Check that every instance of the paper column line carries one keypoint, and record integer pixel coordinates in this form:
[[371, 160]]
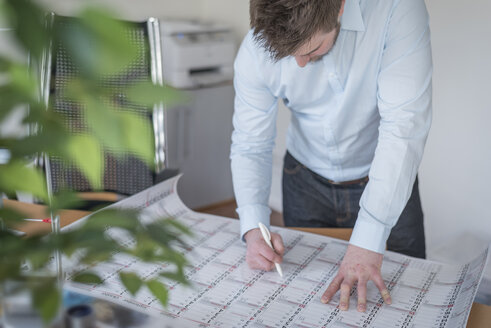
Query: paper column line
[[375, 309], [289, 280]]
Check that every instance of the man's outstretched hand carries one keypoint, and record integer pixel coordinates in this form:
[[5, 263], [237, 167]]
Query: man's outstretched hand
[[259, 255], [359, 265]]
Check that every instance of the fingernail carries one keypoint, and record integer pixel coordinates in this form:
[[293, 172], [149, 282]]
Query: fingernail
[[361, 307], [324, 300], [386, 296], [343, 306]]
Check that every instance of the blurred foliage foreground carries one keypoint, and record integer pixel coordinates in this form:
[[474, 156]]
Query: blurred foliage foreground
[[108, 128]]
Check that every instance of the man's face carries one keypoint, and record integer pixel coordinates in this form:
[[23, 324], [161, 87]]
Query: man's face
[[318, 46]]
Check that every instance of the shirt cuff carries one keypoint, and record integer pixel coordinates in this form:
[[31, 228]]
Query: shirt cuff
[[250, 216], [370, 234]]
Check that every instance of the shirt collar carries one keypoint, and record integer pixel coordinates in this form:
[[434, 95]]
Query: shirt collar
[[352, 19]]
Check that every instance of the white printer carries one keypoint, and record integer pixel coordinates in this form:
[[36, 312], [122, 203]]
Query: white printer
[[196, 54]]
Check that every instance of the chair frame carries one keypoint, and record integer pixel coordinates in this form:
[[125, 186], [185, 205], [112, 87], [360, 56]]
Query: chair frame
[[156, 72]]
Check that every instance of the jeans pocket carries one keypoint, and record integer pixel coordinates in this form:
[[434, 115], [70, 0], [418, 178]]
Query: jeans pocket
[[291, 165], [292, 170]]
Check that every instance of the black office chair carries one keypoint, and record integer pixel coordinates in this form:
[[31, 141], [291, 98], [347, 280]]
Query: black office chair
[[127, 174]]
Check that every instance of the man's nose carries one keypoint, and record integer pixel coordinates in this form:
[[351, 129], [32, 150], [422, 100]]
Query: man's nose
[[302, 60]]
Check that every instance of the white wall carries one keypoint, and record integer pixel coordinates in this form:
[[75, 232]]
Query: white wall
[[234, 13], [132, 9], [455, 171]]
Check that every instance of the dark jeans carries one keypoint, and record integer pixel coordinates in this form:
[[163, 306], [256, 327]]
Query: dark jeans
[[310, 200]]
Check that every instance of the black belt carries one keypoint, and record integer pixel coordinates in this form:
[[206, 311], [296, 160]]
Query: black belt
[[347, 183]]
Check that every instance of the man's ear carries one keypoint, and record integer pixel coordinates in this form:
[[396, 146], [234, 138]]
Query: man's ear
[[342, 8]]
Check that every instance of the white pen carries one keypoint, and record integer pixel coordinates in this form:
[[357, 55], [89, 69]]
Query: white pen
[[267, 239]]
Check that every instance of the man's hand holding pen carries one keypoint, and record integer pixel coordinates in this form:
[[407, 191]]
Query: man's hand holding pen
[[259, 255]]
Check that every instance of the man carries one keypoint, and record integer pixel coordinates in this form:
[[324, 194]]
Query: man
[[356, 76]]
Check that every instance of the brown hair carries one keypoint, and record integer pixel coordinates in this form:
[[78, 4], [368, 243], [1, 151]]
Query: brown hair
[[283, 26]]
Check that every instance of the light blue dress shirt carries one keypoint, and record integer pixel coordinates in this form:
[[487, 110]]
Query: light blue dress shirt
[[363, 109]]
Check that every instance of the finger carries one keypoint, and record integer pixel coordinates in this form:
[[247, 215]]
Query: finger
[[345, 291], [268, 253], [332, 289], [362, 295], [278, 245], [379, 282], [261, 263], [256, 261]]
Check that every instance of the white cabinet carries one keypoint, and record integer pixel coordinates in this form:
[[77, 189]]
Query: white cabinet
[[198, 144]]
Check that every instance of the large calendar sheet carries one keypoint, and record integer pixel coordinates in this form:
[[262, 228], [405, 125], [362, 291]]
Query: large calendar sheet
[[226, 293]]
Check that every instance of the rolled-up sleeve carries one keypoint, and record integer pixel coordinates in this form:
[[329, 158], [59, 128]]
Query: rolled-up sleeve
[[404, 103], [253, 138]]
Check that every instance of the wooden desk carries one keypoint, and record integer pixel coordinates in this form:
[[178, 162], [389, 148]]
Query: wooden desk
[[339, 233], [35, 211], [480, 315]]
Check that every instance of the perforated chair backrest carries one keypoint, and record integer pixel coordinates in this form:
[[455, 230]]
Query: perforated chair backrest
[[125, 174]]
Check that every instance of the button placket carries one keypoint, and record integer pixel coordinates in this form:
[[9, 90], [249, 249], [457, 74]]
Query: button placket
[[332, 76]]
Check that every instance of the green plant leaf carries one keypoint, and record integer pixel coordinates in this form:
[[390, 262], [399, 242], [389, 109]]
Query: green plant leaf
[[105, 124], [65, 199], [28, 22], [10, 259], [23, 82], [176, 276], [96, 255], [167, 232], [17, 176], [159, 290], [20, 148], [51, 137], [94, 242], [11, 217], [172, 256], [101, 47], [138, 138], [86, 238], [99, 43], [131, 281], [39, 257], [87, 278], [100, 117], [145, 248], [179, 226], [86, 152], [10, 270], [46, 299], [4, 62], [11, 99], [148, 94], [125, 219], [165, 237], [10, 243]]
